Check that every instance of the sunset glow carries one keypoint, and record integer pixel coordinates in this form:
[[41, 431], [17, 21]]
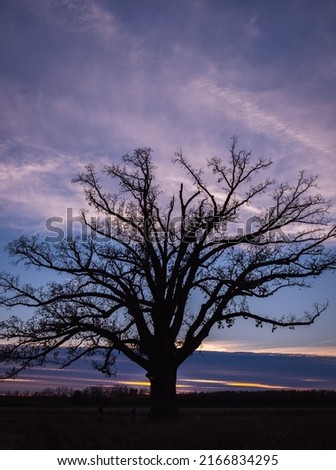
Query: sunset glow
[[226, 383]]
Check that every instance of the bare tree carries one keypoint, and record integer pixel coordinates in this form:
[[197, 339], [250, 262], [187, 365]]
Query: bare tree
[[146, 256]]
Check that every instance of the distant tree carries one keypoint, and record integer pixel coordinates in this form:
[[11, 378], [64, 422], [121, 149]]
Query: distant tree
[[146, 256]]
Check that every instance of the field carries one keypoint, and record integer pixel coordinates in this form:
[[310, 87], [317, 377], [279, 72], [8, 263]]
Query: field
[[206, 428]]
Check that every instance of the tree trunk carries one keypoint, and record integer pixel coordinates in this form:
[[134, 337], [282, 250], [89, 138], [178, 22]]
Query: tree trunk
[[163, 393]]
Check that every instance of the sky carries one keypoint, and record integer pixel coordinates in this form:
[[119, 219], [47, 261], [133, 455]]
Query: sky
[[88, 81], [208, 371]]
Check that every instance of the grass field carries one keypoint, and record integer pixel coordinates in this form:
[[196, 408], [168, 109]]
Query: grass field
[[81, 428]]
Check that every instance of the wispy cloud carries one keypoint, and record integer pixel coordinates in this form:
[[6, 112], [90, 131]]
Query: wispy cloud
[[252, 28], [208, 383], [201, 372], [242, 106], [320, 349], [80, 16], [35, 188]]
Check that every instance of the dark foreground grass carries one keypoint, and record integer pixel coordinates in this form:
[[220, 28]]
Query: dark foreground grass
[[81, 428]]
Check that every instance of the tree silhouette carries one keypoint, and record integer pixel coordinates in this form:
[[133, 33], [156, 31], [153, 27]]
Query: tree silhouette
[[146, 256]]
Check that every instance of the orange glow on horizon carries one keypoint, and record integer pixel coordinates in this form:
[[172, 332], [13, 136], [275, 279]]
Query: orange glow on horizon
[[229, 383], [143, 384], [133, 383]]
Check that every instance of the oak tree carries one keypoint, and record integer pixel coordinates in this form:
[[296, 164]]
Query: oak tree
[[130, 280]]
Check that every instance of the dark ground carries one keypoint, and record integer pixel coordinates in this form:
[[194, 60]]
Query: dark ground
[[69, 428]]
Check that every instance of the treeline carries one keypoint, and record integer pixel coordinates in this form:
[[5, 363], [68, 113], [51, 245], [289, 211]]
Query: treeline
[[65, 396], [126, 396], [264, 398]]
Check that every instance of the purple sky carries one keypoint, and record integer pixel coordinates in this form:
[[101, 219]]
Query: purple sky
[[87, 81]]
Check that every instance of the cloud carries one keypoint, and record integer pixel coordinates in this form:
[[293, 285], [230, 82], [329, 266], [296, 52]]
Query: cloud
[[94, 105], [291, 131], [80, 16], [322, 348], [37, 187], [217, 384], [242, 106], [278, 370], [208, 371], [252, 29]]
